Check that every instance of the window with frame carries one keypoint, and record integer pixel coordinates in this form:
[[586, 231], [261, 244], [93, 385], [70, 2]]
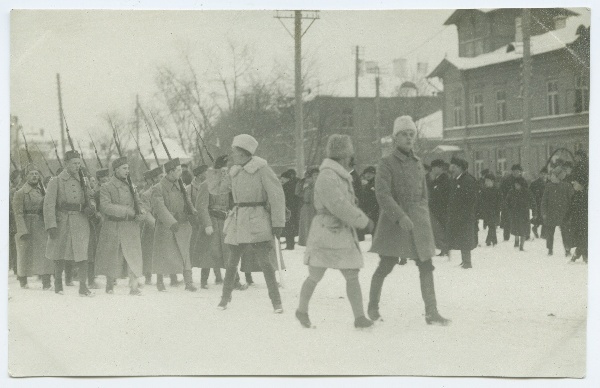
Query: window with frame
[[478, 164], [478, 108], [582, 95], [458, 108], [552, 90], [501, 105], [347, 118], [500, 161]]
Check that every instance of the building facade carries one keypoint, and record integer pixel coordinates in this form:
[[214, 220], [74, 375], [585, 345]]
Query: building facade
[[483, 94]]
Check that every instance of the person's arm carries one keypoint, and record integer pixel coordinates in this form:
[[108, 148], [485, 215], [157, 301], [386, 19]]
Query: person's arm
[[275, 196], [161, 212], [330, 193], [50, 204], [383, 193], [107, 207], [18, 203]]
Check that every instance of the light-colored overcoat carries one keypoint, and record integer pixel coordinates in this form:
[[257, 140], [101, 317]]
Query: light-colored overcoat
[[332, 240], [401, 190], [200, 242], [73, 226], [171, 253], [27, 205], [254, 182], [147, 230], [118, 240]]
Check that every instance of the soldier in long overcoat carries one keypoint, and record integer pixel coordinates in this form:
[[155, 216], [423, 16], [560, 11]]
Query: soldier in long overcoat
[[577, 215], [120, 237], [489, 204], [537, 188], [555, 203], [518, 203], [257, 216], [102, 177], [173, 231], [31, 235], [67, 207], [506, 184], [15, 184], [438, 203], [460, 226], [404, 227], [152, 177]]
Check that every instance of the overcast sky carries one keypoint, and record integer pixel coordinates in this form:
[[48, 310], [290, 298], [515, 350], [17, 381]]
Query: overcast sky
[[105, 58]]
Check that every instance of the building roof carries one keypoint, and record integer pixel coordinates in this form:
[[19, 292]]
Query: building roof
[[540, 44], [459, 13], [431, 126], [446, 148]]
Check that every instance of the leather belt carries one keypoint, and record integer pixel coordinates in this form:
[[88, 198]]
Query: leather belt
[[119, 219], [70, 207], [250, 204], [216, 213]]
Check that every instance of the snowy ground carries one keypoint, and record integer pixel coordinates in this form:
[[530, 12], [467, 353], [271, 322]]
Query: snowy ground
[[514, 314]]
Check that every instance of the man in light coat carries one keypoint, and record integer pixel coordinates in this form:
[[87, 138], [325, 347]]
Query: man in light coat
[[257, 215], [119, 241], [31, 235], [173, 231], [66, 210], [404, 227], [152, 177]]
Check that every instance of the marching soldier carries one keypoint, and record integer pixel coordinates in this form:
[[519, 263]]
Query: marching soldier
[[15, 184], [95, 225], [152, 177], [173, 231], [31, 235], [257, 215], [119, 239], [66, 212]]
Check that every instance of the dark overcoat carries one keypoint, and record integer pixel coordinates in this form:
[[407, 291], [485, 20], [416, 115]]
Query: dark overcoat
[[555, 202], [537, 188], [401, 189], [27, 205], [490, 203], [518, 203], [577, 219], [307, 211], [292, 203], [460, 224]]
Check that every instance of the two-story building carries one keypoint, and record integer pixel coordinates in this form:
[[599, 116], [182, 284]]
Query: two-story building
[[483, 94]]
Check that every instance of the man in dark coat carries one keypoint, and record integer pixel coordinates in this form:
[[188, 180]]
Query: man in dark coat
[[102, 177], [460, 226], [518, 202], [292, 203], [368, 202], [357, 186], [577, 215], [537, 189], [438, 203], [506, 185], [489, 204]]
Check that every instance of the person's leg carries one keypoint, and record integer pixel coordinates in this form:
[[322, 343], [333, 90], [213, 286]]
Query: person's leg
[[133, 282], [160, 283], [218, 276], [466, 258], [174, 281], [235, 254], [549, 234], [492, 228], [432, 315], [386, 265], [204, 272], [46, 282], [91, 278], [354, 292], [23, 281], [59, 267], [82, 276], [110, 285], [516, 241], [189, 282], [68, 265], [248, 276], [566, 238], [315, 274], [263, 250], [148, 278], [522, 243]]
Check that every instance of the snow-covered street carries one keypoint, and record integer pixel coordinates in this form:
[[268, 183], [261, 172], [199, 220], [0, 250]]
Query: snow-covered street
[[514, 314]]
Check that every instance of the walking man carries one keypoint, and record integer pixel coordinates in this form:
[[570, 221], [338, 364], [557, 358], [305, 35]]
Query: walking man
[[152, 177], [404, 227]]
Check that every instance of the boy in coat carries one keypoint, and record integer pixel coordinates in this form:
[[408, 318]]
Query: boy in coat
[[518, 202], [258, 214], [490, 204], [404, 227]]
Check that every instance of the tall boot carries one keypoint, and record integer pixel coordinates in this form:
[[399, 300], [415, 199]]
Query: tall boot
[[204, 272], [148, 279], [23, 281], [160, 283], [174, 281], [218, 276], [375, 296], [91, 272], [522, 244], [46, 282], [110, 285], [68, 273], [308, 288], [248, 276], [516, 241], [82, 276], [189, 283], [432, 316], [59, 267]]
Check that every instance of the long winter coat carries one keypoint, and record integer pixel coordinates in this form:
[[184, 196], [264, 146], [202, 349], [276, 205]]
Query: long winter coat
[[489, 204], [73, 226], [332, 241], [460, 226], [254, 182], [506, 184], [555, 202], [200, 242], [119, 240], [147, 231], [27, 205], [518, 203], [401, 189], [219, 202], [438, 197], [171, 252], [537, 188], [292, 203], [307, 211], [577, 219], [368, 200], [95, 226]]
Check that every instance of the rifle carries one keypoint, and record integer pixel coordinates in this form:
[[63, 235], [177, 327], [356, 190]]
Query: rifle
[[96, 152], [140, 151], [30, 159], [56, 152], [203, 143], [186, 198], [136, 203], [45, 160], [82, 180], [151, 143], [82, 157]]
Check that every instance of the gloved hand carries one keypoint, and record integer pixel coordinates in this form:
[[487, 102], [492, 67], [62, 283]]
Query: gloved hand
[[209, 230], [26, 237], [89, 211], [406, 223], [221, 162], [130, 213], [277, 231], [175, 227], [53, 233]]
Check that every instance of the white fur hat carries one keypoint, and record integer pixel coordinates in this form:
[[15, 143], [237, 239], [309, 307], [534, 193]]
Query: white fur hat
[[403, 123], [246, 142], [339, 147]]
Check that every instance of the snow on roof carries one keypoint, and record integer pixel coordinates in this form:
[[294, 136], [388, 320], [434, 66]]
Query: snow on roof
[[446, 148], [388, 87], [540, 44], [432, 126]]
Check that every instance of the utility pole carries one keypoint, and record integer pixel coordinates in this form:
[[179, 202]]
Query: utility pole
[[525, 25], [61, 115], [356, 70], [299, 120], [355, 130], [378, 114]]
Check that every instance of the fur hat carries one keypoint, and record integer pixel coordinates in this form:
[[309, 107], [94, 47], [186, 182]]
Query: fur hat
[[438, 163], [31, 167], [403, 123], [200, 169], [369, 169], [102, 173], [339, 147], [150, 174], [119, 162], [71, 155], [171, 164], [463, 164], [245, 142]]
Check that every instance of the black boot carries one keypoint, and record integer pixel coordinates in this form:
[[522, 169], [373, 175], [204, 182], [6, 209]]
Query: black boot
[[218, 276], [174, 281], [249, 280], [432, 316], [204, 272], [148, 280], [362, 322], [110, 284], [535, 232], [303, 318], [82, 267], [516, 241], [69, 273], [189, 284], [46, 282], [522, 244], [23, 281], [160, 283]]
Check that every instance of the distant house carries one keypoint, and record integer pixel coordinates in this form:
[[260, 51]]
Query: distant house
[[482, 99]]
